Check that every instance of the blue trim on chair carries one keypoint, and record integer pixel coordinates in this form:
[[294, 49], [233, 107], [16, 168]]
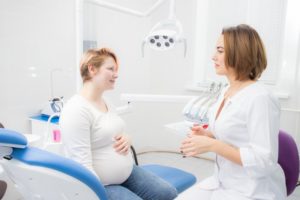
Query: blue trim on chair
[[45, 118], [12, 138], [38, 157], [180, 179]]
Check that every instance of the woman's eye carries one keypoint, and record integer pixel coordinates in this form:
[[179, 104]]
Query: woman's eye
[[220, 51]]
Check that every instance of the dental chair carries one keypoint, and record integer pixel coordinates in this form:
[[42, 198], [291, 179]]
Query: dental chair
[[288, 159], [41, 175], [38, 174]]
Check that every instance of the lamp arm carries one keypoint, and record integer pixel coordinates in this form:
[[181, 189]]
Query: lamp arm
[[172, 9], [126, 10], [185, 47], [143, 48]]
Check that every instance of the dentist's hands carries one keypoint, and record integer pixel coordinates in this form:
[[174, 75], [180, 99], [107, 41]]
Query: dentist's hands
[[198, 141], [122, 144], [197, 144], [202, 141], [201, 130]]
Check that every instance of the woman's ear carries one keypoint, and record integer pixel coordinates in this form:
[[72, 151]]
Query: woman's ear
[[92, 70]]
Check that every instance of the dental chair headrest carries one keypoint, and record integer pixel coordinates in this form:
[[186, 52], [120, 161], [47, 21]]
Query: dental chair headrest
[[9, 138]]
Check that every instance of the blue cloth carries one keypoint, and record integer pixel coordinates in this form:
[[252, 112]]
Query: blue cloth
[[140, 185]]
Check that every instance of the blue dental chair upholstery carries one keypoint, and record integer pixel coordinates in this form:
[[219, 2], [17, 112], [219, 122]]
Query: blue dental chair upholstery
[[180, 179], [39, 174]]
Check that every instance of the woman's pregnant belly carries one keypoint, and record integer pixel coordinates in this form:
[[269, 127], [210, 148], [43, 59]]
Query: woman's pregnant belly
[[112, 167]]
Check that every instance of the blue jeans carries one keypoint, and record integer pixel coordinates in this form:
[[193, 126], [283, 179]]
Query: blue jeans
[[141, 185]]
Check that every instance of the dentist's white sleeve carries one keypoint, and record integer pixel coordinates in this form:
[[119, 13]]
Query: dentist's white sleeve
[[263, 116]]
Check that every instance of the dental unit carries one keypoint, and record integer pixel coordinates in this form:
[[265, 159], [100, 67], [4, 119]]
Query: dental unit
[[195, 111]]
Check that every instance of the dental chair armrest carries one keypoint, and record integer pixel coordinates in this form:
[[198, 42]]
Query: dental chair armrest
[[10, 139], [13, 139]]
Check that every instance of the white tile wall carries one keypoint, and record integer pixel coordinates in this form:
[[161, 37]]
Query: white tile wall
[[37, 39]]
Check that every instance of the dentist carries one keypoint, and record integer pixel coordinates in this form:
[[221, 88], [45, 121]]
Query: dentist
[[93, 135], [243, 127]]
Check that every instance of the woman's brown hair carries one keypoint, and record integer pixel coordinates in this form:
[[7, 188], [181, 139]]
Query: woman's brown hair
[[244, 52], [96, 58]]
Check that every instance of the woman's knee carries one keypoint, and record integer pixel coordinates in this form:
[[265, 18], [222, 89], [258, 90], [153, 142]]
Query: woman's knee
[[170, 193], [165, 191]]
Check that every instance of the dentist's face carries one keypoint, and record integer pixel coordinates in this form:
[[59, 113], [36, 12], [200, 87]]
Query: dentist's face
[[219, 56], [107, 74]]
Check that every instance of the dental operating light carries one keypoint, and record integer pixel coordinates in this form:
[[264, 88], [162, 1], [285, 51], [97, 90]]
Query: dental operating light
[[164, 35]]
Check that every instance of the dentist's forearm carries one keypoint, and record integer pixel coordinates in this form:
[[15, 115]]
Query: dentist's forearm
[[227, 151]]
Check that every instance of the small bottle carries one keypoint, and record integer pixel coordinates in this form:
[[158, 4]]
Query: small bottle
[[56, 135]]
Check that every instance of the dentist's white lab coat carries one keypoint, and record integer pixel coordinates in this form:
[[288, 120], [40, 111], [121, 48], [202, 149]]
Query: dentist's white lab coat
[[249, 121]]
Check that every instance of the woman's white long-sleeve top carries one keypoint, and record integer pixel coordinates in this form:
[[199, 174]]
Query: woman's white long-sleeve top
[[88, 138]]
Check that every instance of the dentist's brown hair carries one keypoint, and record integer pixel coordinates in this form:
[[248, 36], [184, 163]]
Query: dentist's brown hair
[[244, 52]]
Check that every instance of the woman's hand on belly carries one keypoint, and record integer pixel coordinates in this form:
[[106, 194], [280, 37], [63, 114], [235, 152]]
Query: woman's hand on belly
[[122, 144]]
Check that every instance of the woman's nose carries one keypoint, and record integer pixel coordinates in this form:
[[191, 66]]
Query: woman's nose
[[214, 57]]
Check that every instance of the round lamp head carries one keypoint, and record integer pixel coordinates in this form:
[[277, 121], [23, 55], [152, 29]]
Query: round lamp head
[[162, 39]]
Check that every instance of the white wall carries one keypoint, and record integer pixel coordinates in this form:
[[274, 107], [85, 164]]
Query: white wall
[[36, 37]]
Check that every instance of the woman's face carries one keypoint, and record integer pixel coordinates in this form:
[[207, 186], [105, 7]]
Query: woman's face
[[106, 75], [219, 56], [219, 60]]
